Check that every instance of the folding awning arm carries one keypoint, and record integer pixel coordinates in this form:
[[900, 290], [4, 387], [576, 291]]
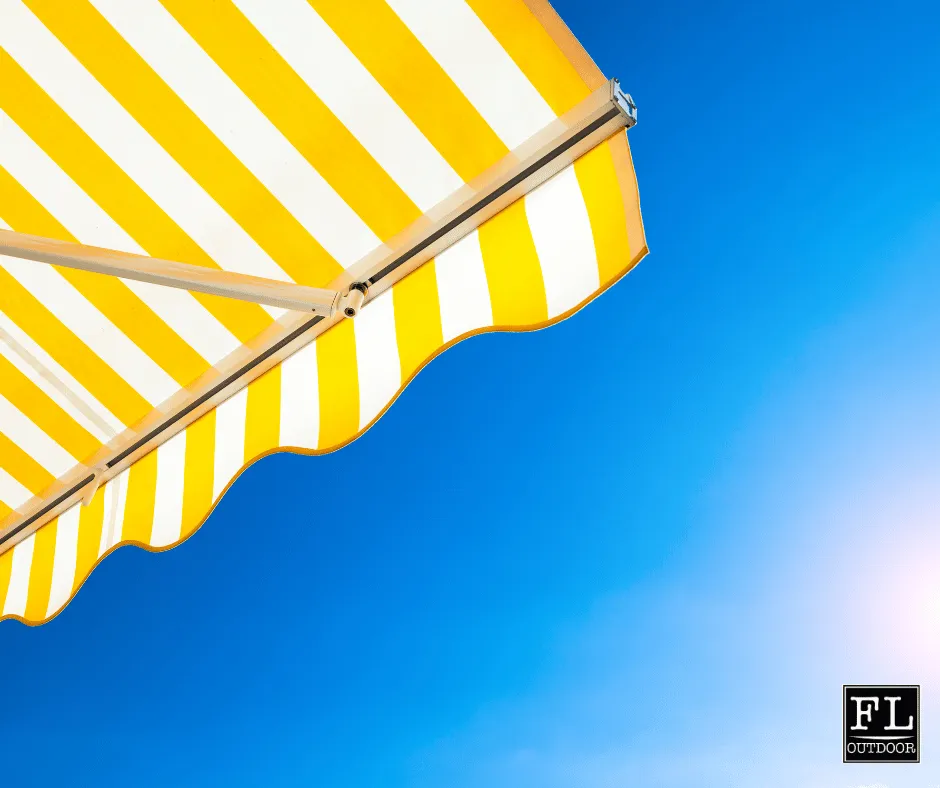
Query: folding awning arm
[[168, 273]]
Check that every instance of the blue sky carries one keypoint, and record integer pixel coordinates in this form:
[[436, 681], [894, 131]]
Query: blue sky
[[643, 548]]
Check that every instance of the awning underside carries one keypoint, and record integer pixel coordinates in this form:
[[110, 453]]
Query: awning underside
[[281, 140]]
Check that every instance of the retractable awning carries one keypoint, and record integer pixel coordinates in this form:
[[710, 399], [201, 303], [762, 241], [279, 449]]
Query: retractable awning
[[235, 227]]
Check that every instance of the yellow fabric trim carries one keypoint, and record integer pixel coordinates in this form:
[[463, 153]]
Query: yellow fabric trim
[[534, 51], [417, 318], [40, 573], [513, 271], [597, 178], [141, 495], [90, 525], [338, 381], [6, 567], [630, 193], [197, 479], [262, 425], [579, 58]]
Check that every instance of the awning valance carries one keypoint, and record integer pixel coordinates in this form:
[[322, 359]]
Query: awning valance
[[461, 164]]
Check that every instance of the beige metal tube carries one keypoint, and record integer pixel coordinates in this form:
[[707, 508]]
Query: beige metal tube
[[168, 273]]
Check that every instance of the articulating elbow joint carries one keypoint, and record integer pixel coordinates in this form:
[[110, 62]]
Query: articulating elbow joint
[[352, 303]]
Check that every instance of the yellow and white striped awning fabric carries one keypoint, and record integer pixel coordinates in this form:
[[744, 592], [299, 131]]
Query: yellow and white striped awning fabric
[[279, 138]]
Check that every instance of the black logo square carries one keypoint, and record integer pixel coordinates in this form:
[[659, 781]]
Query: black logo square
[[881, 724]]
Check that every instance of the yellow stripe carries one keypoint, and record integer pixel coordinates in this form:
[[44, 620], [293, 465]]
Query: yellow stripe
[[42, 410], [141, 496], [401, 65], [22, 467], [534, 51], [70, 352], [338, 379], [5, 511], [124, 74], [571, 48], [110, 187], [417, 318], [601, 191], [262, 427], [6, 568], [289, 103], [40, 575], [513, 272], [197, 480], [110, 295], [90, 523], [629, 190]]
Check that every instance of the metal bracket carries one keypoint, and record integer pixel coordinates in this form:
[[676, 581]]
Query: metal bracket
[[624, 102], [352, 302], [89, 492]]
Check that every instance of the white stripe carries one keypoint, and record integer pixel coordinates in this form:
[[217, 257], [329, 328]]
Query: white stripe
[[322, 60], [84, 219], [563, 239], [84, 320], [18, 428], [182, 312], [12, 493], [115, 496], [63, 564], [229, 440], [61, 376], [197, 80], [376, 357], [478, 65], [18, 589], [77, 92], [168, 500], [300, 399], [462, 288]]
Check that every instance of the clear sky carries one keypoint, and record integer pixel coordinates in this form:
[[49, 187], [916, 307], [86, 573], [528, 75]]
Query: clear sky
[[643, 548]]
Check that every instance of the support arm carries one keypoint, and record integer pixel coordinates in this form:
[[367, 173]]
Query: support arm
[[256, 289]]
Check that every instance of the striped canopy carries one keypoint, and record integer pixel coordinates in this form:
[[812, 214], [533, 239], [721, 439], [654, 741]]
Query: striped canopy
[[459, 166]]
